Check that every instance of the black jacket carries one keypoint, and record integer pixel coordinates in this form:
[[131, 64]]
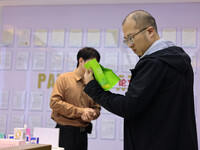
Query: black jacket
[[158, 108]]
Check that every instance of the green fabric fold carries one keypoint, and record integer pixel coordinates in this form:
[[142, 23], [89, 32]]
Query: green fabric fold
[[104, 76]]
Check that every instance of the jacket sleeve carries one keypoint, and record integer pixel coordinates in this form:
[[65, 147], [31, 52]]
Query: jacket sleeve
[[59, 106], [142, 89]]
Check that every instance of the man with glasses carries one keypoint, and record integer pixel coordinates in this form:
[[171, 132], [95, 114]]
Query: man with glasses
[[158, 108]]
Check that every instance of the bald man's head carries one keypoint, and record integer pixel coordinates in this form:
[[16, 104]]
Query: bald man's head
[[142, 19]]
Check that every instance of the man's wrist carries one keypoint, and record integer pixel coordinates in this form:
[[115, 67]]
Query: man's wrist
[[88, 80]]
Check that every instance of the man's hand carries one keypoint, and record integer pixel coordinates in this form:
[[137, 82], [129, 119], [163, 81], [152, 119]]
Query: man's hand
[[88, 76], [88, 114]]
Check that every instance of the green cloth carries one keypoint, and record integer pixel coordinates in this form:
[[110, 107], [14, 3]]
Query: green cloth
[[104, 76]]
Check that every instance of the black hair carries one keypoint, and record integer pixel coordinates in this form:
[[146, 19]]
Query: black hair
[[87, 53]]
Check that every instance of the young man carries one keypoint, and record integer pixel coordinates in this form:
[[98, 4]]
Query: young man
[[158, 108], [72, 109]]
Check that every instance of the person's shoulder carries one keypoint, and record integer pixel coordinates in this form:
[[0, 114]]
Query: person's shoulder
[[167, 52], [151, 61], [148, 62], [66, 75], [149, 58]]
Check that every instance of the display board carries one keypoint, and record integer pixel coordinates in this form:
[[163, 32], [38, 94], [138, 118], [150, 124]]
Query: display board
[[40, 42]]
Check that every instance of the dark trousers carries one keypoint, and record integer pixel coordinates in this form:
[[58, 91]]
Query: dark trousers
[[72, 138]]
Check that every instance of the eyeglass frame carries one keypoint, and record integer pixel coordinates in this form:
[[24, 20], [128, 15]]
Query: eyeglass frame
[[131, 37]]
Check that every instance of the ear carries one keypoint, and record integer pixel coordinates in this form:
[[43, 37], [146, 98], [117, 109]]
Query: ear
[[81, 60], [150, 31]]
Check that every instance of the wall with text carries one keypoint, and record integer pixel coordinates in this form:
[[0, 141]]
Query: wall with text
[[40, 42]]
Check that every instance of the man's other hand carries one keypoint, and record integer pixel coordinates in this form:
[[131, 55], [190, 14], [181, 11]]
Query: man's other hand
[[88, 76]]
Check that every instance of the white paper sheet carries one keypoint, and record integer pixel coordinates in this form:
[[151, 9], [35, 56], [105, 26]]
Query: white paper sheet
[[169, 35], [93, 38], [39, 61], [122, 129], [34, 121], [56, 61], [104, 111], [7, 37], [41, 38], [129, 61], [3, 121], [195, 105], [108, 129], [22, 60], [189, 38], [24, 37], [111, 60], [4, 99], [5, 60], [76, 36], [193, 57], [48, 102], [17, 121], [47, 135], [36, 101], [58, 38], [71, 61], [19, 100], [112, 37], [50, 123]]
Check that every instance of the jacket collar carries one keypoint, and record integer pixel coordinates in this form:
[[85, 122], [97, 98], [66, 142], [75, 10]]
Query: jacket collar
[[77, 75]]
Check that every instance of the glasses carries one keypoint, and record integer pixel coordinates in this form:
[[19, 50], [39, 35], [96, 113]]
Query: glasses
[[130, 39]]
